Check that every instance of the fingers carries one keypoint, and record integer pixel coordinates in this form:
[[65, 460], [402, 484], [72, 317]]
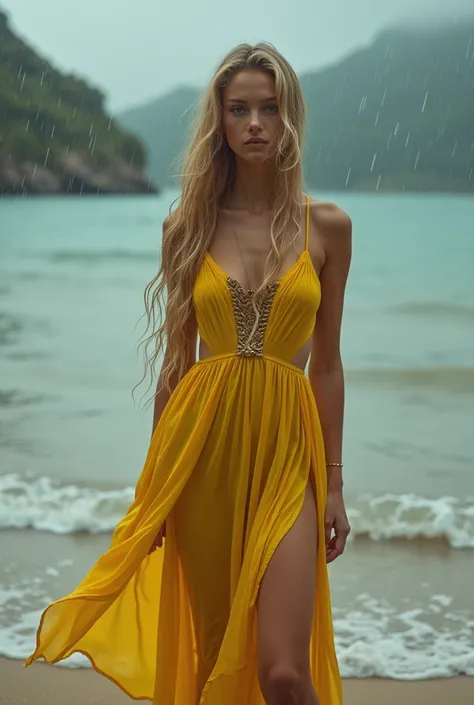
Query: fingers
[[157, 543], [341, 541], [331, 550], [328, 524], [337, 545], [158, 540]]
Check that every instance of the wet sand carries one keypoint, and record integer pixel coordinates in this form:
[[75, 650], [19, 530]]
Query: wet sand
[[39, 567], [41, 684]]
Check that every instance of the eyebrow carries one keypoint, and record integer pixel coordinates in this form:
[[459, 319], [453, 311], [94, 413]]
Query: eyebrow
[[242, 100]]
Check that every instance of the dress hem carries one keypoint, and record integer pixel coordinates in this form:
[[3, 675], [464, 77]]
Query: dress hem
[[36, 657]]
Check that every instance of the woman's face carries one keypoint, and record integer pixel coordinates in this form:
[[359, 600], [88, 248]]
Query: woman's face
[[250, 117]]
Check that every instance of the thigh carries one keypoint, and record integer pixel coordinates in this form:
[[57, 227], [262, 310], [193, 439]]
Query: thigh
[[287, 594]]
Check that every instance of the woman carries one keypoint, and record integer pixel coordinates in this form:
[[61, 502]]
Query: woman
[[243, 474]]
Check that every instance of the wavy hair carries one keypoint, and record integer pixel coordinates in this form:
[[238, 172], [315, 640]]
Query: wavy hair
[[207, 176]]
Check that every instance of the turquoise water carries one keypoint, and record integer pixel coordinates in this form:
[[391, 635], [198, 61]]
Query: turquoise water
[[72, 441], [72, 278]]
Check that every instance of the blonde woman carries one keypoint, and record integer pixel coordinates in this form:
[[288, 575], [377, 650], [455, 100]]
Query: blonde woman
[[215, 587]]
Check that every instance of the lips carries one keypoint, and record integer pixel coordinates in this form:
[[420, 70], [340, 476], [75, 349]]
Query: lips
[[256, 140]]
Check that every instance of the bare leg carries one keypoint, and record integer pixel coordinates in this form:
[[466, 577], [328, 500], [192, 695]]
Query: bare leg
[[285, 612]]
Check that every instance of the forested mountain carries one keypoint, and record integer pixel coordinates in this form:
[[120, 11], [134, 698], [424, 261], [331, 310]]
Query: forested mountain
[[396, 115]]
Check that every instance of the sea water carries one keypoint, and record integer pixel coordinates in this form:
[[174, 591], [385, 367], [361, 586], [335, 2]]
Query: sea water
[[73, 441]]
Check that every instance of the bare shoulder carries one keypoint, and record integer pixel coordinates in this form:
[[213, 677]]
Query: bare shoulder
[[331, 219], [334, 229]]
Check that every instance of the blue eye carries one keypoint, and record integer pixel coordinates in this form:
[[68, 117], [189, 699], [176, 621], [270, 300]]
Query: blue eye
[[272, 109], [235, 110]]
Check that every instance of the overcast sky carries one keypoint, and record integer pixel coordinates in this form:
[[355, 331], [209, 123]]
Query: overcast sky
[[136, 50]]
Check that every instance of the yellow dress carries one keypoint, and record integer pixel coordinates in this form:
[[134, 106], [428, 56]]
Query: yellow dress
[[227, 467]]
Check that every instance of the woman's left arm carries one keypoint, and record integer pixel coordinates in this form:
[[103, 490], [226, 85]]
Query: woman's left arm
[[325, 366]]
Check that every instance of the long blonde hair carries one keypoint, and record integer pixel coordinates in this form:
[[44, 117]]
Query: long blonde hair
[[207, 175]]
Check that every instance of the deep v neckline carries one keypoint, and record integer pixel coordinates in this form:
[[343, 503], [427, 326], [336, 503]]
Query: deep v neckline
[[275, 282]]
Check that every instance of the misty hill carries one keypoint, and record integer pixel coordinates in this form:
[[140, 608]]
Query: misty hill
[[162, 125], [396, 115], [54, 133]]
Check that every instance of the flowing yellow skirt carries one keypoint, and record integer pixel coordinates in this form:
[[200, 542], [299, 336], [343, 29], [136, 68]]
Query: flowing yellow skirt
[[227, 467]]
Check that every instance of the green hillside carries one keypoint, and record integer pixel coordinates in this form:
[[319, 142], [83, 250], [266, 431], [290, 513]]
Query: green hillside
[[396, 115], [57, 122]]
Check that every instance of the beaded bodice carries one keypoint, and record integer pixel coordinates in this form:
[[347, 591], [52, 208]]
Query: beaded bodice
[[278, 323], [251, 316]]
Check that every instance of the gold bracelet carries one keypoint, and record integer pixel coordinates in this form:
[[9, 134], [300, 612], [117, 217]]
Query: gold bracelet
[[338, 465]]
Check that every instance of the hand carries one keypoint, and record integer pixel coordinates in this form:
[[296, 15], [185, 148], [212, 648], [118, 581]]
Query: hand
[[158, 540], [335, 519]]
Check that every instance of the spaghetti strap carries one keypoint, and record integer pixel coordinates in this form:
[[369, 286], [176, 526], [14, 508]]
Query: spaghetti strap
[[308, 202]]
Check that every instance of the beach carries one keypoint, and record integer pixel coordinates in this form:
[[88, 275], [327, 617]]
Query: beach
[[48, 685], [73, 440]]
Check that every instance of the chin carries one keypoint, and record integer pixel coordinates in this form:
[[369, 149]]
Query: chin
[[255, 157]]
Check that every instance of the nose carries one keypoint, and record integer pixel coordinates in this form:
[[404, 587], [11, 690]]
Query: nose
[[254, 123]]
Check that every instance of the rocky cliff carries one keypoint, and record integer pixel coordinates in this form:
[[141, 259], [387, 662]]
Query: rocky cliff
[[55, 135]]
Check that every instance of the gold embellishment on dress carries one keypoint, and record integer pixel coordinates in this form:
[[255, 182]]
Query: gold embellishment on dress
[[251, 317]]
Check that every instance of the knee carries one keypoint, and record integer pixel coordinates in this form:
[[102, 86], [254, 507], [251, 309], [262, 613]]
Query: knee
[[283, 684]]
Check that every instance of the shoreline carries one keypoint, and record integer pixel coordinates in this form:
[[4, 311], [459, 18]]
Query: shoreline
[[44, 684]]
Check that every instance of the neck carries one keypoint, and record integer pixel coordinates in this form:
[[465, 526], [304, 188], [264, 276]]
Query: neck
[[253, 187]]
